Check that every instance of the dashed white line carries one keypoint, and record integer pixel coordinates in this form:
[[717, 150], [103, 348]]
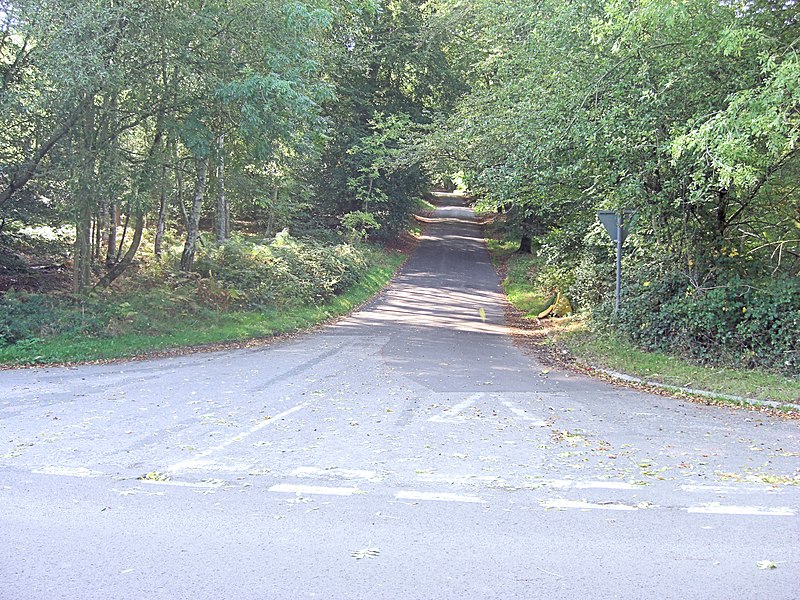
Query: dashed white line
[[730, 489], [336, 472], [214, 483], [67, 471], [714, 508], [580, 504], [604, 485], [450, 478], [563, 484], [437, 496], [555, 483], [291, 488]]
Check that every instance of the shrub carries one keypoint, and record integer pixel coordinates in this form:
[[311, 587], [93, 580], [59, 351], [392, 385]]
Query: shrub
[[24, 316], [751, 322], [284, 272]]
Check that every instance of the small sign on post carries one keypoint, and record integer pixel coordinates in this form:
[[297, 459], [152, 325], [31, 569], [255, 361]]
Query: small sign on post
[[617, 223]]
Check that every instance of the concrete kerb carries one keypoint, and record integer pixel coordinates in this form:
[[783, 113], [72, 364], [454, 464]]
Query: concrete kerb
[[702, 393]]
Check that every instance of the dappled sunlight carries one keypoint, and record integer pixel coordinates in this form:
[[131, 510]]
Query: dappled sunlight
[[449, 283], [478, 311], [445, 219], [445, 238]]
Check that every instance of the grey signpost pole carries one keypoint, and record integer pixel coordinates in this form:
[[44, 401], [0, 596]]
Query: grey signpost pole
[[620, 226], [614, 223]]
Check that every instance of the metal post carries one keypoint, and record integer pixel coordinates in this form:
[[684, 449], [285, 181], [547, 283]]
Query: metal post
[[619, 260]]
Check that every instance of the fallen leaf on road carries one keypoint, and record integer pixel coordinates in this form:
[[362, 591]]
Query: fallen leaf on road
[[766, 564], [154, 476]]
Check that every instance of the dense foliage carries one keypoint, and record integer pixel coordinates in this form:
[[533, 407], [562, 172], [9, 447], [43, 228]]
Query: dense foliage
[[239, 275], [136, 123], [123, 118], [283, 272], [686, 111]]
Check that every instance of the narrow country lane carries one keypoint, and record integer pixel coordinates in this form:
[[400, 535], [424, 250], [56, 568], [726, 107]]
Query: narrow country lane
[[409, 452]]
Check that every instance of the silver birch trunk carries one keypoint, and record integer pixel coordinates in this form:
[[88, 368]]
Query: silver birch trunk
[[193, 225], [222, 224]]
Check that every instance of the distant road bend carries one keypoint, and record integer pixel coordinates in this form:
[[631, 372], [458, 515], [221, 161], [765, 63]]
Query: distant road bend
[[410, 451]]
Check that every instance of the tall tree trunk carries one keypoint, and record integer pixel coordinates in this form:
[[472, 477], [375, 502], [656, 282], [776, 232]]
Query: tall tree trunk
[[193, 226], [526, 238], [222, 222], [111, 233], [124, 234], [271, 219], [162, 212], [127, 259], [82, 255], [84, 194], [179, 186], [96, 237]]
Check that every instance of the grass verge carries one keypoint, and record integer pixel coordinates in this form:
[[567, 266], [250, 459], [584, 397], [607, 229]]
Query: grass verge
[[202, 329], [604, 350]]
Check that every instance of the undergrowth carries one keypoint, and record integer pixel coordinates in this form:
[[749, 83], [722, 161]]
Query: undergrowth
[[243, 289], [600, 341]]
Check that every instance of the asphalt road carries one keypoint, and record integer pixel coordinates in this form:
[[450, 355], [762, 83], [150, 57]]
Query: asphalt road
[[409, 452]]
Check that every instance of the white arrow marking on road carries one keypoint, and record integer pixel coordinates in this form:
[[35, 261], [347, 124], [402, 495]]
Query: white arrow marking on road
[[195, 460], [451, 415], [524, 415]]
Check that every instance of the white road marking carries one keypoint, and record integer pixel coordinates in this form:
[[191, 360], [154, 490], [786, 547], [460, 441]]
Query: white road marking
[[214, 483], [563, 484], [714, 508], [195, 460], [580, 504], [523, 414], [291, 488], [449, 478], [437, 496], [556, 483], [451, 415], [336, 472], [211, 465], [604, 485], [728, 489], [67, 471]]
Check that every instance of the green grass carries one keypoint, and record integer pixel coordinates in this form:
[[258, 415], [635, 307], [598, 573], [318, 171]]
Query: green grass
[[202, 328], [607, 351], [423, 204], [517, 283], [610, 352], [518, 288]]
